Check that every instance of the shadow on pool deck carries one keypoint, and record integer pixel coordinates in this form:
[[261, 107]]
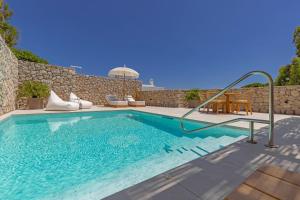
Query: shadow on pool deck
[[214, 176]]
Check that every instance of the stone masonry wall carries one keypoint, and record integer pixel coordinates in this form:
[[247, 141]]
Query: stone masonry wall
[[64, 80], [95, 88], [287, 98], [164, 98], [8, 78]]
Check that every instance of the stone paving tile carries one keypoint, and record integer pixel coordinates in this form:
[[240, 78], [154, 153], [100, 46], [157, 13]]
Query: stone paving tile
[[158, 188]]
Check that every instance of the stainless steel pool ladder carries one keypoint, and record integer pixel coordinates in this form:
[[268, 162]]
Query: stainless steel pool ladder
[[251, 121]]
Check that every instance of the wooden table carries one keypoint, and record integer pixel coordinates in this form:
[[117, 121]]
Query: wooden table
[[228, 95], [268, 183]]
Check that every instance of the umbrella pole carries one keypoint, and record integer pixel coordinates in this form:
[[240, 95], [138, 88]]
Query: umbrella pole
[[124, 87]]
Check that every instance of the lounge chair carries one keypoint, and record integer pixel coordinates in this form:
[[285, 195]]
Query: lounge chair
[[82, 103], [56, 103], [133, 102], [113, 101]]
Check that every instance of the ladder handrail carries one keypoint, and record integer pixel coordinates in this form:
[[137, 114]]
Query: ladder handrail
[[271, 108]]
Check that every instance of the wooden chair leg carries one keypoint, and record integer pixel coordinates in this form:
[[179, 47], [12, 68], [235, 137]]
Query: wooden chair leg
[[235, 108], [232, 108], [250, 107], [247, 109]]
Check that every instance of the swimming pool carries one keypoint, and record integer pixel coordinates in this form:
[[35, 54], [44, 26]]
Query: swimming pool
[[90, 155]]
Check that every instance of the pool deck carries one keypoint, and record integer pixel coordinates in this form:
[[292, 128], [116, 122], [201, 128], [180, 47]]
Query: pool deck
[[214, 176]]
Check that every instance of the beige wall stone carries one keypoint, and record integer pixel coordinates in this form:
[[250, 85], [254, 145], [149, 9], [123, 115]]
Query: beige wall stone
[[8, 78], [164, 98]]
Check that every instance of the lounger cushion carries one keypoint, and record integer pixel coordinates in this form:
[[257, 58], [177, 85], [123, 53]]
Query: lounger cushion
[[83, 103], [113, 101], [120, 103], [129, 99], [111, 98], [133, 102], [56, 103], [137, 103]]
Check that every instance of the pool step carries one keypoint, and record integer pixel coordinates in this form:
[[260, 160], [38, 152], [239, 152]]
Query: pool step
[[226, 140], [203, 146]]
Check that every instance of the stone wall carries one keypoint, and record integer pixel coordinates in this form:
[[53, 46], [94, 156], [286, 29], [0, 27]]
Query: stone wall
[[59, 79], [95, 88], [64, 80], [287, 98], [163, 98], [8, 78]]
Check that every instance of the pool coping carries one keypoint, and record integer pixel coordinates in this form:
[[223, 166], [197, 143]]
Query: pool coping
[[11, 114]]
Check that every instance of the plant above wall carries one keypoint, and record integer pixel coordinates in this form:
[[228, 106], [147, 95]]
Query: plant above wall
[[10, 35], [28, 56], [192, 95], [33, 89], [193, 98], [8, 32], [257, 84]]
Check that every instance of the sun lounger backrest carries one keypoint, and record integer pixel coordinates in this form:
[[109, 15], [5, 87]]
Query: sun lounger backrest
[[111, 98], [73, 97], [54, 98], [130, 98]]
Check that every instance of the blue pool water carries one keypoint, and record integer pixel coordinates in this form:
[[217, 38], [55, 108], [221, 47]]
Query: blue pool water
[[94, 154]]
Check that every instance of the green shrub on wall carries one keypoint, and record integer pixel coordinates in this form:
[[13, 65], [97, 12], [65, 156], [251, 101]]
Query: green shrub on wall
[[33, 89], [28, 56], [257, 84], [192, 95]]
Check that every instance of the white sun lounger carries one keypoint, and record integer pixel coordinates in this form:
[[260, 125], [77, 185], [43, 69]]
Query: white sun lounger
[[56, 103], [83, 103], [113, 101], [133, 102]]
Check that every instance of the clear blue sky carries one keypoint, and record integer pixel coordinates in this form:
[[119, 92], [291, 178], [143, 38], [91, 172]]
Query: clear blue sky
[[179, 43]]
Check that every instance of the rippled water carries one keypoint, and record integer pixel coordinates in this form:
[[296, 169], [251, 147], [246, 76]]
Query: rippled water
[[94, 154]]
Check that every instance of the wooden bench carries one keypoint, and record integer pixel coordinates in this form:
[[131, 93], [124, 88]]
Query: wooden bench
[[268, 183]]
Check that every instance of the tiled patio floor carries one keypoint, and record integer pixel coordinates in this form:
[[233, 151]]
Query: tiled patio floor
[[216, 175]]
